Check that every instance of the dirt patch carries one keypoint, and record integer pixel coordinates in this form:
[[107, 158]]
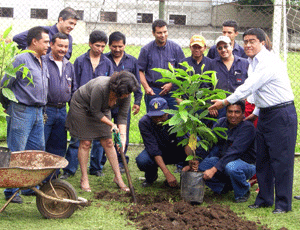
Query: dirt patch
[[167, 212]]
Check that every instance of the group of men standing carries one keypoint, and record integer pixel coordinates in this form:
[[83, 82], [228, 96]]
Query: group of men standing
[[227, 166]]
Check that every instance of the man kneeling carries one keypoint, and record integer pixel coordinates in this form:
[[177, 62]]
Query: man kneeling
[[161, 148], [230, 162]]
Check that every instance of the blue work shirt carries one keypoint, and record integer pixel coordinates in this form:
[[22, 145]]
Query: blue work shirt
[[60, 87], [84, 69], [240, 143], [128, 63], [207, 62], [154, 56], [21, 39], [159, 142], [237, 50], [229, 80], [29, 94]]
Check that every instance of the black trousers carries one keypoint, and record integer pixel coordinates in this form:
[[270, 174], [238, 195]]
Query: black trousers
[[276, 139]]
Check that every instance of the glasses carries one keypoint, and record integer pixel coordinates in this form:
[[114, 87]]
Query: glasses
[[250, 41], [222, 47]]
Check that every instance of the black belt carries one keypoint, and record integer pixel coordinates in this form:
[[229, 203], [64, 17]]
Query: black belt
[[282, 105], [38, 106], [58, 105]]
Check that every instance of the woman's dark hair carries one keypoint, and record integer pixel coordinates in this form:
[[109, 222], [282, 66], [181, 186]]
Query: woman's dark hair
[[122, 83]]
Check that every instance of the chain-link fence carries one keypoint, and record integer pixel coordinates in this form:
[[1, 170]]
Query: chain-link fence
[[134, 19]]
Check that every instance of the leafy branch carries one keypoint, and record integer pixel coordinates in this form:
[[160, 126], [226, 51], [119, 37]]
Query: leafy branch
[[8, 53], [193, 108]]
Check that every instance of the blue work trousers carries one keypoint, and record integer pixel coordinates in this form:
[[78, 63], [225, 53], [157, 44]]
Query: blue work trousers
[[147, 164], [236, 172], [55, 131], [25, 131]]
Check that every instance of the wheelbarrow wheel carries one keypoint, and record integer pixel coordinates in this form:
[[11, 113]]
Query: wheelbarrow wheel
[[53, 209]]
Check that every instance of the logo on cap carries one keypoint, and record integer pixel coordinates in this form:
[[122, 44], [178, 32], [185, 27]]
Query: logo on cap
[[156, 105], [197, 39]]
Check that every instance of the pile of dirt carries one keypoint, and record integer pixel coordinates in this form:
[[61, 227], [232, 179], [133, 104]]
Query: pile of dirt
[[164, 212]]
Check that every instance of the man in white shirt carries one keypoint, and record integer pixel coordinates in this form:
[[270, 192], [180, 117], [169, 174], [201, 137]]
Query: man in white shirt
[[269, 84]]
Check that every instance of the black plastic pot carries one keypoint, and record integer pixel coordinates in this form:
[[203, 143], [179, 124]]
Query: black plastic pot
[[192, 187]]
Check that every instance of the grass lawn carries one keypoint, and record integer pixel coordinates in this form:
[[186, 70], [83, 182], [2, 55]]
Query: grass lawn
[[108, 215]]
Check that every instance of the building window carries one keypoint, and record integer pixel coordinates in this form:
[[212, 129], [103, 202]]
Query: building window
[[6, 12], [108, 16], [39, 13], [177, 19], [144, 18], [80, 14]]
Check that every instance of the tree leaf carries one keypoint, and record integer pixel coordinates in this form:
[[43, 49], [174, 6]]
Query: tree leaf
[[8, 93]]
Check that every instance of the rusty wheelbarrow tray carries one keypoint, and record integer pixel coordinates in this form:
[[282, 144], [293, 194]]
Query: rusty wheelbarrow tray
[[27, 169]]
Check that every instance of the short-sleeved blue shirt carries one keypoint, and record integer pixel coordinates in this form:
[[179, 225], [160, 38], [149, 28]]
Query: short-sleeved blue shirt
[[128, 63], [237, 50], [84, 69], [229, 80], [154, 56]]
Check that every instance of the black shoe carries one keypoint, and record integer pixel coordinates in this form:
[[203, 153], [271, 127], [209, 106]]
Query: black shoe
[[98, 174], [66, 175], [255, 206], [178, 170], [244, 198], [297, 197], [146, 184], [278, 211], [16, 199], [122, 170]]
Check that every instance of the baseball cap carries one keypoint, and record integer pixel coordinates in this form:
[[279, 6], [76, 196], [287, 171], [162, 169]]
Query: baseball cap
[[156, 106], [223, 39], [198, 39]]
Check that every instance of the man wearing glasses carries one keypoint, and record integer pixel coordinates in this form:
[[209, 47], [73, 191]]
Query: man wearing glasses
[[270, 87], [231, 69]]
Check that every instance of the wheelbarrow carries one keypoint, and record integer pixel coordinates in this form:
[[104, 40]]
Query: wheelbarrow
[[27, 169]]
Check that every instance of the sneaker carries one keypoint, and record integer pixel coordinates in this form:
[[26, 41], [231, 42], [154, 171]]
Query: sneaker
[[66, 175], [16, 199]]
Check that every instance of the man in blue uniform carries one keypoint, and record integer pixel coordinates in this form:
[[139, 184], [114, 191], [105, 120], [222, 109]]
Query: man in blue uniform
[[230, 29], [60, 88], [25, 127], [269, 84], [231, 69], [123, 61], [161, 148], [67, 20], [231, 161], [197, 59], [89, 66], [157, 54]]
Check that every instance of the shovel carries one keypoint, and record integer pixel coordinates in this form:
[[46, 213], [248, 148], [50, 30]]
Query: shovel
[[118, 141], [4, 157]]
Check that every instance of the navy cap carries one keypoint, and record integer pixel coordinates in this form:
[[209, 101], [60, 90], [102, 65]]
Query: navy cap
[[156, 106]]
